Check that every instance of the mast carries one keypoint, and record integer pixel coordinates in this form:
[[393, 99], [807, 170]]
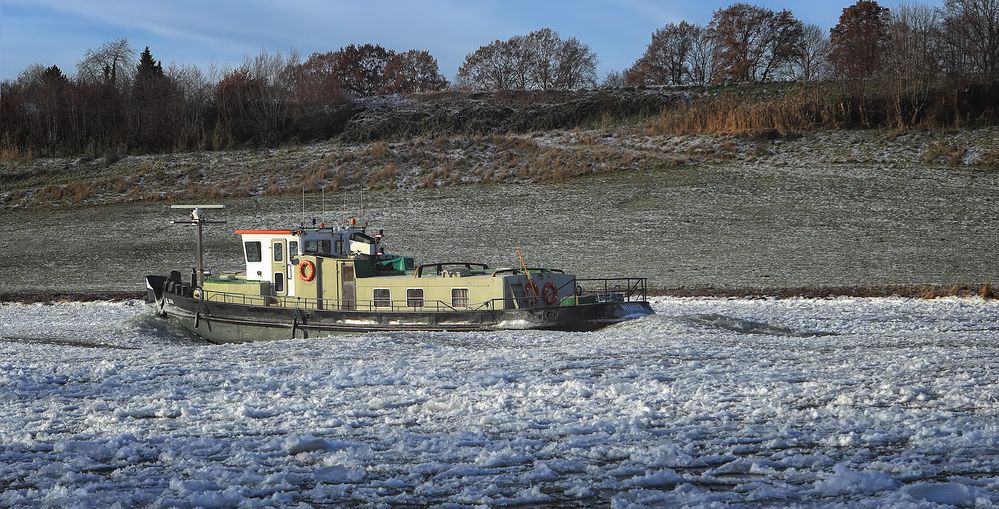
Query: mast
[[198, 218]]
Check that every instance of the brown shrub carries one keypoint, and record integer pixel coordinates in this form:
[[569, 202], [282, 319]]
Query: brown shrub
[[383, 177], [274, 189], [734, 115], [509, 142], [16, 155], [985, 291], [78, 191], [379, 151], [122, 184], [937, 151], [53, 192]]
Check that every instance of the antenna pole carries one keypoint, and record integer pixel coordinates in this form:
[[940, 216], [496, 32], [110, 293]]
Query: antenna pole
[[198, 218], [303, 205], [201, 258], [323, 214], [362, 205]]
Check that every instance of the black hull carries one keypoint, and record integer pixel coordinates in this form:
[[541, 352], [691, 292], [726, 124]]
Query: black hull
[[220, 322]]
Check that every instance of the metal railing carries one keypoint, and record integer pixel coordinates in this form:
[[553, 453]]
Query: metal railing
[[415, 305], [623, 289], [599, 289]]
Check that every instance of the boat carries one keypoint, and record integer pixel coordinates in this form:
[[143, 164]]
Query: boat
[[309, 282]]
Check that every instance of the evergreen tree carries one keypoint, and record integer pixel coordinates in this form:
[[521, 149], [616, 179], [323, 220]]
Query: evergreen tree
[[151, 101], [148, 67]]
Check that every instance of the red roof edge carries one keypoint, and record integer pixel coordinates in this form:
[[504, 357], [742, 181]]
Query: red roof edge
[[263, 232]]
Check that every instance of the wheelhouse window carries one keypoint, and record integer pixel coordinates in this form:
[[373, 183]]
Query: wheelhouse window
[[293, 248], [252, 251], [278, 282], [317, 246], [278, 251], [382, 297], [414, 297], [459, 297]]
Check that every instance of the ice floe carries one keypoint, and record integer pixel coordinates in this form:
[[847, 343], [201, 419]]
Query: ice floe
[[852, 402]]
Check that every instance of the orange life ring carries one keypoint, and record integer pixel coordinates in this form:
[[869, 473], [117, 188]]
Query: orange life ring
[[550, 293], [306, 275]]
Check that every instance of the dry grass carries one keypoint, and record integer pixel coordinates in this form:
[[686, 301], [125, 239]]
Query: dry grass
[[204, 191], [16, 155], [511, 143], [379, 151], [122, 184], [74, 192], [383, 177], [787, 114], [985, 291], [937, 152]]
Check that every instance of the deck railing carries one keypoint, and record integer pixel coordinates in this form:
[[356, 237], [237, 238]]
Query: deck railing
[[583, 291]]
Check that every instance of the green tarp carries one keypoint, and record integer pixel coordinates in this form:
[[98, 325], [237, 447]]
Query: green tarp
[[400, 263]]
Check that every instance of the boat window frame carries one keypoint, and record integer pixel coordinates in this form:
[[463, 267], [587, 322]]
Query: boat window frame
[[277, 251], [383, 302], [454, 302], [292, 248], [259, 251], [319, 243], [410, 300], [278, 282]]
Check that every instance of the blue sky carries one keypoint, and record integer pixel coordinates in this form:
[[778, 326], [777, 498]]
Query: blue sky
[[221, 33]]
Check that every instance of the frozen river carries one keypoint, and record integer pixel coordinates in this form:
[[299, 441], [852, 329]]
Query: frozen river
[[861, 402]]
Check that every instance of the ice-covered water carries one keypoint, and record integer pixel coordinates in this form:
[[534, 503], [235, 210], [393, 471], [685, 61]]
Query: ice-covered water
[[760, 402]]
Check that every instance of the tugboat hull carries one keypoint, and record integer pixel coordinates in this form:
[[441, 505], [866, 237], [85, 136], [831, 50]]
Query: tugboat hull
[[221, 322]]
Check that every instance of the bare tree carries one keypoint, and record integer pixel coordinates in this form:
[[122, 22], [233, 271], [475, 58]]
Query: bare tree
[[971, 28], [491, 67], [753, 43], [812, 61], [782, 44], [704, 67], [412, 71], [539, 60], [613, 79], [111, 63], [576, 65], [667, 58], [912, 60], [194, 89]]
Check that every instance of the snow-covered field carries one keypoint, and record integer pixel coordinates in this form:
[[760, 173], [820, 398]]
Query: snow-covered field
[[747, 402]]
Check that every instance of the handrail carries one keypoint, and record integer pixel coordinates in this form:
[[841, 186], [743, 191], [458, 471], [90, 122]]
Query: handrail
[[515, 270], [620, 289], [440, 266]]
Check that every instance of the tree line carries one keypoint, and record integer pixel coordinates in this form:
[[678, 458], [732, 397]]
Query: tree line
[[117, 102]]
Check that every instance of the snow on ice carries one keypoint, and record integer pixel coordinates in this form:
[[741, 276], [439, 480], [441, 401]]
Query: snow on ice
[[853, 402]]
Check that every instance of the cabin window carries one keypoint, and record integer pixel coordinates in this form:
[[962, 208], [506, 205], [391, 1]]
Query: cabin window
[[414, 297], [459, 297], [278, 282], [339, 247], [252, 251], [293, 248], [317, 246], [382, 297], [278, 252]]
